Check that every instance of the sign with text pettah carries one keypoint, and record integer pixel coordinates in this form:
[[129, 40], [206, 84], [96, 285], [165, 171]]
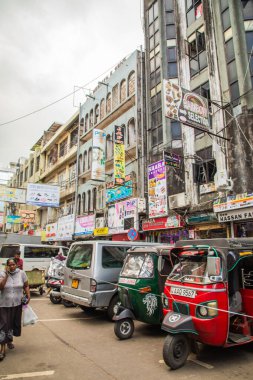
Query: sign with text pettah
[[43, 195], [98, 155], [157, 190], [185, 106], [119, 155], [85, 225], [12, 195]]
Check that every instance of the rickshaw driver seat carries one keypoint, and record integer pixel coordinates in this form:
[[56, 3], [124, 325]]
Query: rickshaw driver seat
[[235, 298]]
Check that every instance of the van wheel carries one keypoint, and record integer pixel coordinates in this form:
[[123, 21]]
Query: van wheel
[[110, 310], [176, 350], [67, 303], [124, 328]]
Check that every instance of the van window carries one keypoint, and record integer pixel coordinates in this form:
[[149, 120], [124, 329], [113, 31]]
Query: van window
[[40, 252], [9, 251], [80, 257], [113, 257]]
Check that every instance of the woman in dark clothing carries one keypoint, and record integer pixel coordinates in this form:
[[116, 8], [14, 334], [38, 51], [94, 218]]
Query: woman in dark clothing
[[13, 283]]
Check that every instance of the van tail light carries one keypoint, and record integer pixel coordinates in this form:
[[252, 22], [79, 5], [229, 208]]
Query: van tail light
[[93, 285]]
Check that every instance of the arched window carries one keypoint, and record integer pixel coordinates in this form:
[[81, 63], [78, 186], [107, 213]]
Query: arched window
[[131, 83], [115, 96], [94, 198], [131, 135], [108, 103], [89, 157], [84, 202], [91, 119], [79, 204], [109, 145], [102, 109], [80, 166], [123, 92], [89, 200], [86, 123], [82, 126], [96, 119], [85, 161]]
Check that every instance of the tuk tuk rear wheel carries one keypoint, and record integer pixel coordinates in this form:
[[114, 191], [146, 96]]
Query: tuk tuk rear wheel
[[176, 350], [124, 328]]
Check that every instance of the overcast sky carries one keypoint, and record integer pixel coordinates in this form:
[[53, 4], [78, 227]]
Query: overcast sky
[[48, 47]]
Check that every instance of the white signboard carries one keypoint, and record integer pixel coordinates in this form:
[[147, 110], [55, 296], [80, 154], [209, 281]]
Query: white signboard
[[98, 155], [235, 215], [51, 232], [12, 194], [43, 195], [65, 227], [85, 225]]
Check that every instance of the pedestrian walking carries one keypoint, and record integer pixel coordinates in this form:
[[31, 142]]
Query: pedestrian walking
[[13, 285]]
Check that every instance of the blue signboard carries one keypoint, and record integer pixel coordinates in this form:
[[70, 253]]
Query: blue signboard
[[119, 192]]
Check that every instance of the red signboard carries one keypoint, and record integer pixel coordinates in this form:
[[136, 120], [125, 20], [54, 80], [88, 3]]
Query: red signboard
[[174, 221]]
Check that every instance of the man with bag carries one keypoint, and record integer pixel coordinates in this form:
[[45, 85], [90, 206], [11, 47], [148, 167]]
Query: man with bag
[[13, 284]]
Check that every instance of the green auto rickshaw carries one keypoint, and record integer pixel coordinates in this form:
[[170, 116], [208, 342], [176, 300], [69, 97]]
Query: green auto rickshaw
[[141, 282]]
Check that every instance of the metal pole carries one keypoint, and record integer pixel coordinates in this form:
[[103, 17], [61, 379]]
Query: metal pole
[[77, 167]]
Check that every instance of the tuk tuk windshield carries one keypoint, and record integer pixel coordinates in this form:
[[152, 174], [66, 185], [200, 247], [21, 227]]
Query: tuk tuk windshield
[[138, 266], [191, 269]]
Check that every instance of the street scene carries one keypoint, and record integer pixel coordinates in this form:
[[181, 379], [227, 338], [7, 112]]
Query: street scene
[[126, 189]]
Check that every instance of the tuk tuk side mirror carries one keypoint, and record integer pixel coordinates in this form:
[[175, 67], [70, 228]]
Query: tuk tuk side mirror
[[214, 268]]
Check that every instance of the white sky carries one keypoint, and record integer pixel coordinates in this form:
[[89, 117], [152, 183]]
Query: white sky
[[48, 47]]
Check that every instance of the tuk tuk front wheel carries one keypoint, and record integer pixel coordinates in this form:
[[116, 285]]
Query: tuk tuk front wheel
[[176, 350], [124, 328]]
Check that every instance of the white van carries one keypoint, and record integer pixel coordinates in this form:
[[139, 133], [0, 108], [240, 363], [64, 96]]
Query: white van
[[92, 270], [34, 256]]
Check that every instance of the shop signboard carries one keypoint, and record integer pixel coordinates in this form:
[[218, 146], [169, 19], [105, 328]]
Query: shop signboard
[[100, 222], [206, 188], [119, 155], [117, 193], [101, 231], [13, 219], [185, 106], [65, 228], [172, 159], [98, 155], [235, 215], [43, 195], [157, 190], [27, 216], [51, 232], [85, 225], [122, 216], [233, 202], [169, 222], [12, 195]]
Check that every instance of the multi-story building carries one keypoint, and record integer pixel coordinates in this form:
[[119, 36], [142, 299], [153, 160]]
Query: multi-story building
[[205, 47], [116, 102]]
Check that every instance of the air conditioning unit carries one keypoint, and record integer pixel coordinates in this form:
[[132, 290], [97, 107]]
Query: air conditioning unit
[[178, 201]]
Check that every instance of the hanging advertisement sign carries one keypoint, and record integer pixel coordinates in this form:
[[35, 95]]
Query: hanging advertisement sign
[[119, 156], [233, 202], [12, 195], [98, 155], [27, 216], [13, 219], [185, 106], [114, 194], [85, 225], [51, 232], [43, 195], [65, 228], [123, 216], [172, 159], [235, 215], [174, 221], [157, 190]]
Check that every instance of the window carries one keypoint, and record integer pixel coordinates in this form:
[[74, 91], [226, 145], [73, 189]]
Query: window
[[249, 42], [62, 179], [156, 120], [37, 163], [86, 123], [113, 257], [123, 91], [40, 252], [91, 119], [170, 31], [205, 170], [26, 174], [131, 136], [176, 133], [94, 199], [73, 137], [63, 148], [82, 126], [108, 103], [89, 201], [80, 256], [194, 10], [80, 163], [204, 90], [231, 70], [102, 109], [172, 62], [31, 168], [84, 202], [96, 120], [89, 157], [225, 18], [131, 83], [247, 9], [85, 161], [72, 172], [109, 146], [197, 53], [138, 266], [79, 204], [115, 96]]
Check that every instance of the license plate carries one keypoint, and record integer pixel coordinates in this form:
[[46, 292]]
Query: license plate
[[75, 284], [183, 292]]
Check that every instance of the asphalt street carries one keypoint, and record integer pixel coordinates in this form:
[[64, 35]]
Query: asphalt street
[[68, 344]]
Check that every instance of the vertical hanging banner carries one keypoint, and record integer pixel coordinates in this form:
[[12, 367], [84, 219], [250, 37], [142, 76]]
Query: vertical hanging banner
[[119, 155], [98, 155], [157, 190]]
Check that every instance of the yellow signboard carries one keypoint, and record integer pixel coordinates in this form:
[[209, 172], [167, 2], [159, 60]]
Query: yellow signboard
[[101, 231]]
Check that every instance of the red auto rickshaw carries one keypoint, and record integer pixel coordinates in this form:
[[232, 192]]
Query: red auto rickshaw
[[208, 297]]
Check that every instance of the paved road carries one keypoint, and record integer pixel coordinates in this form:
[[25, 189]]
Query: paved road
[[68, 344]]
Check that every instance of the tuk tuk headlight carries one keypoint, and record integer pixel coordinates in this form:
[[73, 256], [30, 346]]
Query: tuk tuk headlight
[[203, 311], [208, 310]]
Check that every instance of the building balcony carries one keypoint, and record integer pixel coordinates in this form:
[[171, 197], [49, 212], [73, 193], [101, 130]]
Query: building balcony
[[69, 154], [66, 190]]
